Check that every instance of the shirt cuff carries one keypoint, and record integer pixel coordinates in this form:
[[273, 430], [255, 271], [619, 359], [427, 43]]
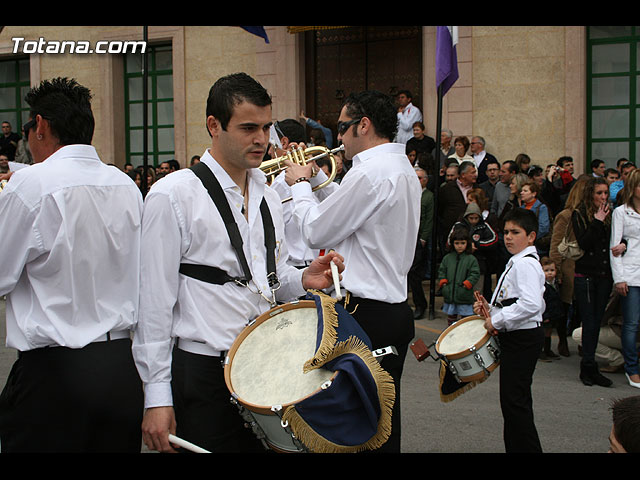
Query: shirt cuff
[[158, 395]]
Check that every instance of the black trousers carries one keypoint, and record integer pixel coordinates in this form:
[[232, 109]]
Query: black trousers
[[63, 400], [205, 415], [519, 351], [387, 325], [416, 275]]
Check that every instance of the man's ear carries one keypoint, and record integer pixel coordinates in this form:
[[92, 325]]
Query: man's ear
[[213, 125]]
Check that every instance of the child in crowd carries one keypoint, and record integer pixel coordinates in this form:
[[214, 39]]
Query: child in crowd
[[484, 239], [554, 311], [515, 315], [458, 273]]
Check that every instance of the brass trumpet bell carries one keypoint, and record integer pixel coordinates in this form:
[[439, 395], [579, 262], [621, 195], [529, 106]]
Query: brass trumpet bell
[[302, 156]]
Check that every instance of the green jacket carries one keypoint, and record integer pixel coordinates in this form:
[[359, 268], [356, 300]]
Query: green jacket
[[456, 269]]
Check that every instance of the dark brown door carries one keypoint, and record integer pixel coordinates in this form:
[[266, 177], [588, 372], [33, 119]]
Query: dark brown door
[[344, 60]]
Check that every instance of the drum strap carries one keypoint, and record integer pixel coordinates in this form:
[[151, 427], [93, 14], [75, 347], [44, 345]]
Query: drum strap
[[207, 273], [507, 301]]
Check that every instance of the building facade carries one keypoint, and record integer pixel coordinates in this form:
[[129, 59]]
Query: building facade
[[547, 91]]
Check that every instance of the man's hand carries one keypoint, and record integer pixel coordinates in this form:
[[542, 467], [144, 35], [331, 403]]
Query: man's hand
[[622, 288], [318, 275], [294, 170], [157, 424]]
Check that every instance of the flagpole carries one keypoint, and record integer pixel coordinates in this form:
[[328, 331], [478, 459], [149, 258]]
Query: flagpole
[[145, 111], [434, 230]]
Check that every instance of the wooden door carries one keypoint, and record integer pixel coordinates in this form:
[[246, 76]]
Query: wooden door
[[351, 59]]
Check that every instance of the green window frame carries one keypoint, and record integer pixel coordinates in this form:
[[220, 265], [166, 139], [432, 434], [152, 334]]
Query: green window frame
[[14, 85], [160, 121], [613, 87]]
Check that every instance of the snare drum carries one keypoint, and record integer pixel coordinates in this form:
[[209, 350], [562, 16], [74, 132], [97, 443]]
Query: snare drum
[[278, 378], [469, 351]]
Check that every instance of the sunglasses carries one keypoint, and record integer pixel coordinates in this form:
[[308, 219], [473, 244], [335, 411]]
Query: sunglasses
[[344, 126], [27, 127]]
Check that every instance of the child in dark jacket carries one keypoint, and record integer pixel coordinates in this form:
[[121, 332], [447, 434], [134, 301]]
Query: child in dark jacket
[[458, 273], [484, 240], [554, 312]]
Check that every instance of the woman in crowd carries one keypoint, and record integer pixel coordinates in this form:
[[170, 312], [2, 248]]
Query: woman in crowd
[[591, 223], [529, 200], [461, 145], [566, 267], [625, 225]]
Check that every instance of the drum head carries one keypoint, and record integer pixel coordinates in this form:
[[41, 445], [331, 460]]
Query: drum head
[[265, 363], [461, 336]]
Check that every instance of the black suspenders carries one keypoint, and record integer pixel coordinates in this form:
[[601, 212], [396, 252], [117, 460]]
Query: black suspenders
[[207, 273]]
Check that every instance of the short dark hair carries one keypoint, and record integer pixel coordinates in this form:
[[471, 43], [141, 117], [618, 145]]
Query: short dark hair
[[609, 171], [626, 422], [525, 219], [377, 107], [406, 92], [562, 160], [595, 163], [67, 106], [292, 129], [461, 232], [231, 90], [512, 165]]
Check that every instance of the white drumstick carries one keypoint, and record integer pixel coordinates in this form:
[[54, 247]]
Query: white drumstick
[[336, 280], [188, 445]]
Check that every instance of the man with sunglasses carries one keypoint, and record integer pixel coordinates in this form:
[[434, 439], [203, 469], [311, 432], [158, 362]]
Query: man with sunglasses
[[70, 271], [372, 219]]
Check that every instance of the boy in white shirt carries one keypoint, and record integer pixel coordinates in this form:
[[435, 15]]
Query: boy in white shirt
[[515, 315]]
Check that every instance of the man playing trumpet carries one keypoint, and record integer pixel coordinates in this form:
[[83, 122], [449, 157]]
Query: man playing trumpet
[[372, 219]]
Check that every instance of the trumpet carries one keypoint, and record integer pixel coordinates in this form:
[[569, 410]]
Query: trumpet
[[302, 156]]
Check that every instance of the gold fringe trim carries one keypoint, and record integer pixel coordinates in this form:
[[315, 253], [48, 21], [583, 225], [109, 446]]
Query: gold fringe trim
[[452, 396], [386, 395], [299, 29], [329, 332]]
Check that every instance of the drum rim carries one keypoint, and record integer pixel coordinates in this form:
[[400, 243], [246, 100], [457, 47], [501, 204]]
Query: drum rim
[[465, 352], [265, 409]]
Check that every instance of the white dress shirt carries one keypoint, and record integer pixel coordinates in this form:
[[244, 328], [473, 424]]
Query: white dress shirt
[[523, 278], [299, 253], [625, 223], [406, 118], [181, 224], [69, 262], [372, 220]]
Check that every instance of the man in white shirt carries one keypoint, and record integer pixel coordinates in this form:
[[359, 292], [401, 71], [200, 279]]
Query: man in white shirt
[[372, 219], [187, 324], [408, 114], [70, 271]]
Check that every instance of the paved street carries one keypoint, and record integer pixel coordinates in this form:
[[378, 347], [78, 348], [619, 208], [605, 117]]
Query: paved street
[[571, 418]]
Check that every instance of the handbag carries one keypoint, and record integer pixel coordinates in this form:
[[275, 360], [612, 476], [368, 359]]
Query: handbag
[[569, 249]]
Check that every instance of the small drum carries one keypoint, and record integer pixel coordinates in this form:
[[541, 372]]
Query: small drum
[[469, 351], [282, 377]]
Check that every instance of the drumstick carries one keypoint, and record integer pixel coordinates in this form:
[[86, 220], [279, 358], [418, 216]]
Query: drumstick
[[336, 280], [480, 298], [188, 445]]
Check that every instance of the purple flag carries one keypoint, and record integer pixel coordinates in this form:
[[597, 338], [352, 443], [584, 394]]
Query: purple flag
[[446, 57]]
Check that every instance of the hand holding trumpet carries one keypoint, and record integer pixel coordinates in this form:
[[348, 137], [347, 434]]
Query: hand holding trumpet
[[296, 171]]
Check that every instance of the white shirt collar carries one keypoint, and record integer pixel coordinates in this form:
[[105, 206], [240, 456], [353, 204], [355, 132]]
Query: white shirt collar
[[388, 147]]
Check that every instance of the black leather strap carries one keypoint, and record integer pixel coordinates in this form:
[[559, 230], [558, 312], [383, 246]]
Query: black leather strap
[[207, 273]]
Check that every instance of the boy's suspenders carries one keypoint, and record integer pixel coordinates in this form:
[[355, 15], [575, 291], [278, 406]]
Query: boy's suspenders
[[209, 274], [507, 301]]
